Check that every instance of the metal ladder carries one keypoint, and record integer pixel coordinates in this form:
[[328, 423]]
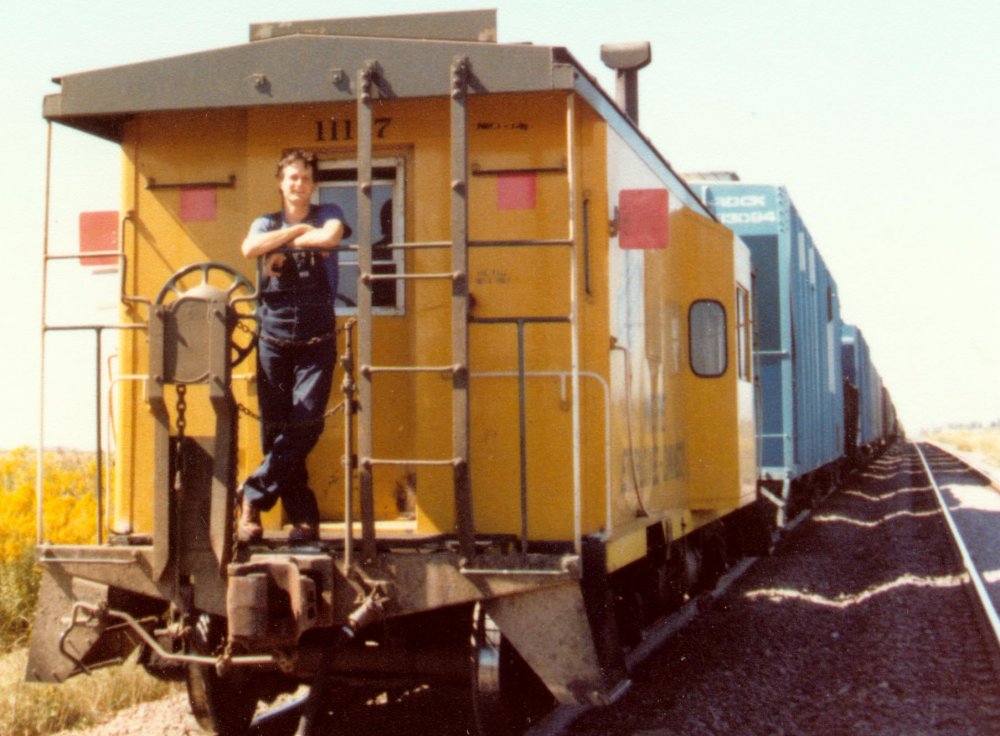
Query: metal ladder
[[369, 78]]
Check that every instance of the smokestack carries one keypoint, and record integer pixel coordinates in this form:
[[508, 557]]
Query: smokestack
[[627, 59]]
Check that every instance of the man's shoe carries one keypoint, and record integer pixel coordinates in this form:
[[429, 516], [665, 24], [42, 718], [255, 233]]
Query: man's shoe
[[249, 528], [303, 534]]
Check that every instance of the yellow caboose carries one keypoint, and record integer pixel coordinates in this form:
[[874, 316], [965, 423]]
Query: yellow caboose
[[547, 411]]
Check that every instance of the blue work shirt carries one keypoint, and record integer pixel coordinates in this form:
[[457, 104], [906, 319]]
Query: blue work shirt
[[297, 304]]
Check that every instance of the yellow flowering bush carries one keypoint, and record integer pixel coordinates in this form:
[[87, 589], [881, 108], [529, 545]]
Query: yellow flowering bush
[[70, 515], [70, 501]]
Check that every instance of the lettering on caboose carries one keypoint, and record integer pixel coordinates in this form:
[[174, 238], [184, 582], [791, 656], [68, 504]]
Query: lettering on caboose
[[502, 126], [336, 129], [654, 464]]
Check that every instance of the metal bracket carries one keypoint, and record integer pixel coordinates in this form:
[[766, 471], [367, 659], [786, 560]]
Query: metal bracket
[[152, 184]]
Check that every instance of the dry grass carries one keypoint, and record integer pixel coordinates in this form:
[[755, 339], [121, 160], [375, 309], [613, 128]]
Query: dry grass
[[982, 441], [32, 709]]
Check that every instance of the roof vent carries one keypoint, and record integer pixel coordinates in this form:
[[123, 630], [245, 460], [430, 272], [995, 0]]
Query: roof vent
[[627, 59], [456, 25], [706, 176]]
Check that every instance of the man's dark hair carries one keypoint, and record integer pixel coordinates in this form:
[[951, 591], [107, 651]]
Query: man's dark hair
[[298, 154]]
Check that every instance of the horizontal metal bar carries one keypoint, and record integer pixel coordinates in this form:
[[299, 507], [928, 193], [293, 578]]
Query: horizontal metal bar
[[69, 328], [427, 244], [231, 182], [517, 243], [483, 571], [314, 249], [519, 320], [367, 369], [369, 277], [404, 461], [418, 245], [82, 254], [528, 170], [88, 561]]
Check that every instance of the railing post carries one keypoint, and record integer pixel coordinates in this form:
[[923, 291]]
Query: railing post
[[348, 387], [574, 318], [366, 78], [40, 459], [99, 464], [460, 71]]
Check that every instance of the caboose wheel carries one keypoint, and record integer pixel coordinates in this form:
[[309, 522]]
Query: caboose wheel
[[506, 693], [222, 704]]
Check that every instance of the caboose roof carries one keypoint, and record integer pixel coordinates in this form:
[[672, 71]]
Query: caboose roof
[[311, 62]]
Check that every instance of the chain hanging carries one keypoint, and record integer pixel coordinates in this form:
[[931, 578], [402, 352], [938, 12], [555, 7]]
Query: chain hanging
[[278, 342], [179, 447], [247, 411]]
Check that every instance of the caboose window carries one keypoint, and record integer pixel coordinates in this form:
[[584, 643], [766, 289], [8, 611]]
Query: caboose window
[[338, 184], [707, 336]]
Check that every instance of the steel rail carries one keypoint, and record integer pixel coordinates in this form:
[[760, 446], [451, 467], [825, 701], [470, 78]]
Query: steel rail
[[970, 567], [992, 474]]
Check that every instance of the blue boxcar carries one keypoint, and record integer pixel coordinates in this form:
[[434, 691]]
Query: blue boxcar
[[859, 371], [799, 324]]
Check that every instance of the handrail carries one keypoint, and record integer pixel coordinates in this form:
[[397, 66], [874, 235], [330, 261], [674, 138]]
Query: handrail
[[462, 77], [40, 459], [574, 325], [127, 299], [606, 388], [112, 440], [98, 330], [45, 328]]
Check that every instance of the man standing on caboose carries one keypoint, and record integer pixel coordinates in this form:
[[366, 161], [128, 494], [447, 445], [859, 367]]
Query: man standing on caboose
[[297, 348]]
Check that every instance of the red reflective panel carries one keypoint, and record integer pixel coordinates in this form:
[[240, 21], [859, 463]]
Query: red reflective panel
[[98, 231], [517, 191], [198, 204], [643, 218]]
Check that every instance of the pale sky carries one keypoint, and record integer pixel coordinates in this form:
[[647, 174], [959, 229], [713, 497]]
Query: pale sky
[[880, 117]]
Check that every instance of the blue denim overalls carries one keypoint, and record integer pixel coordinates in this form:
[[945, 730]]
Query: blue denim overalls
[[295, 358]]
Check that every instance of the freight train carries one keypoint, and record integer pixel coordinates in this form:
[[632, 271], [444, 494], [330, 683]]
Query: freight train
[[572, 389], [822, 400]]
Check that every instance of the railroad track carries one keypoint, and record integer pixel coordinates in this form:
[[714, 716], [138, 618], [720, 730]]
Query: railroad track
[[859, 623], [977, 549]]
